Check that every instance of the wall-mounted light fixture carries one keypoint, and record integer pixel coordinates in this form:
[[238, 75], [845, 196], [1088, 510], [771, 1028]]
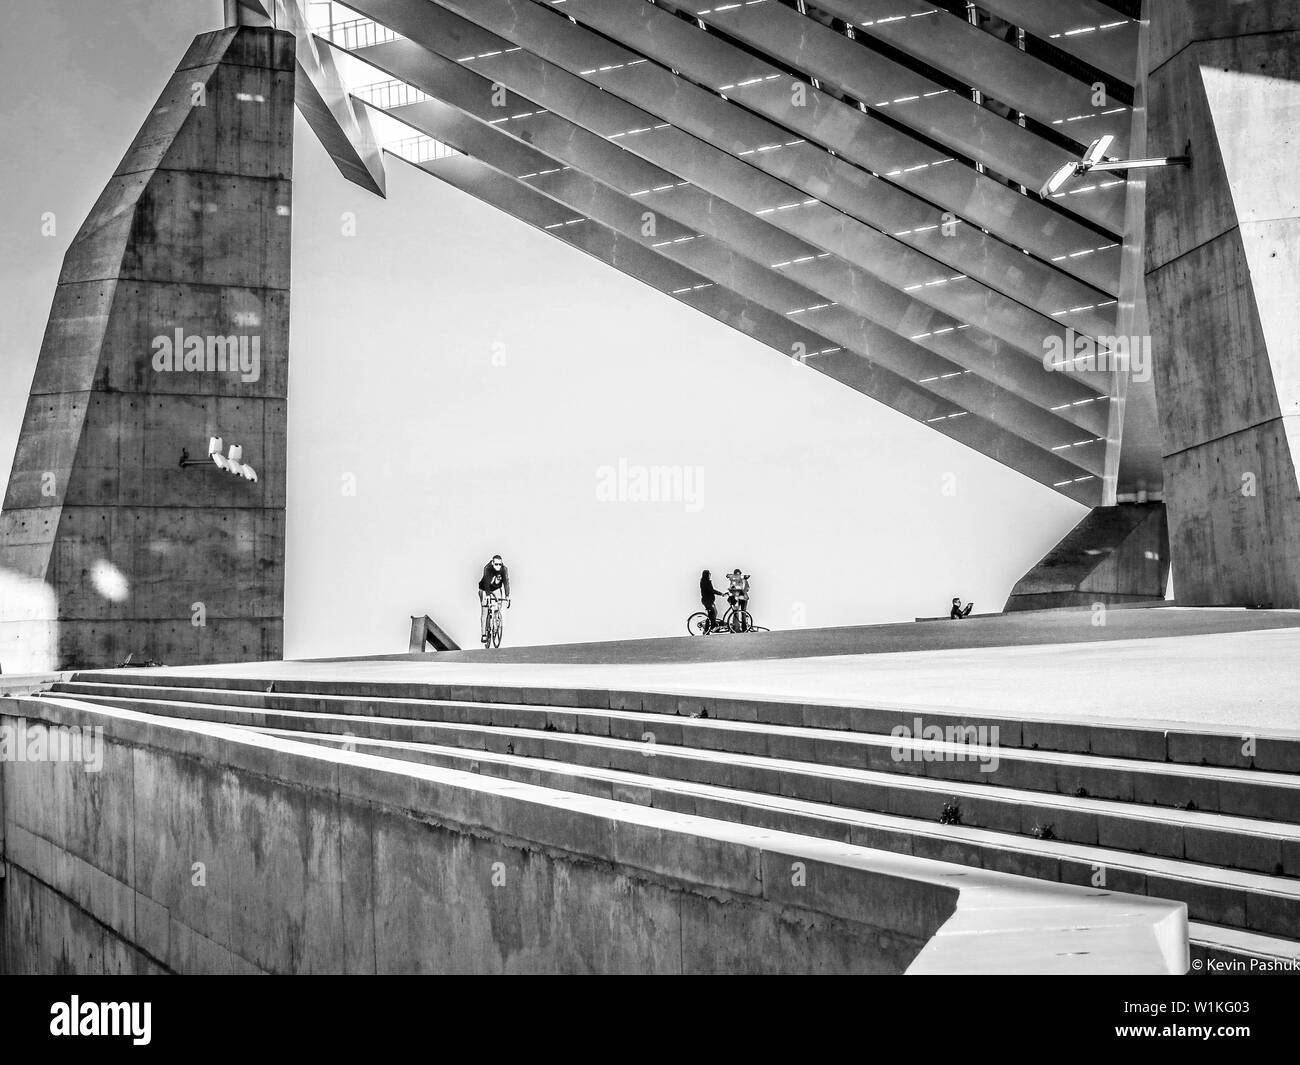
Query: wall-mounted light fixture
[[1095, 159], [231, 462]]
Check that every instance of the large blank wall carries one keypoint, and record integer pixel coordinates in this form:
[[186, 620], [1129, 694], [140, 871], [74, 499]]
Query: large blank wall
[[458, 382]]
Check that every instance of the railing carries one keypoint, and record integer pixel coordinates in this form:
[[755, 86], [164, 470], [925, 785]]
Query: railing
[[425, 631], [358, 33], [392, 93], [421, 149]]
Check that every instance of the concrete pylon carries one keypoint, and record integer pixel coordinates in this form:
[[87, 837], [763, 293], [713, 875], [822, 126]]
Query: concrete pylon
[[170, 326], [1116, 555], [1222, 277]]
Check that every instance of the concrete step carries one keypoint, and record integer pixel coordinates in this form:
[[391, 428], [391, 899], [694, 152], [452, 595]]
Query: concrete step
[[1250, 793], [1247, 900], [1235, 842], [1198, 835], [1272, 751], [1211, 893], [849, 908], [1216, 950]]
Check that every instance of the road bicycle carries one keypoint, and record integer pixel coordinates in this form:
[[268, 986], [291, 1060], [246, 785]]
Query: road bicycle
[[494, 620]]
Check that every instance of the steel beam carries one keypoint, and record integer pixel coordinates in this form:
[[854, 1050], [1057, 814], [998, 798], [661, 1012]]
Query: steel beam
[[906, 96], [569, 146], [704, 256], [832, 189], [1013, 77], [320, 94], [900, 159], [647, 265], [803, 215], [1089, 30]]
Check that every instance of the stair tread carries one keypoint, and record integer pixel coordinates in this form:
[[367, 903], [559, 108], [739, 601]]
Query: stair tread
[[973, 752], [374, 691], [1206, 819], [990, 837], [1240, 940]]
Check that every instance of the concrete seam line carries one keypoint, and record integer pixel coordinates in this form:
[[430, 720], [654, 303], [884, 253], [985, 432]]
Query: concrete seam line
[[90, 915]]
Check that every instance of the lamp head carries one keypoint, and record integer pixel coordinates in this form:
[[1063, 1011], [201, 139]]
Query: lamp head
[[1057, 181], [1097, 151]]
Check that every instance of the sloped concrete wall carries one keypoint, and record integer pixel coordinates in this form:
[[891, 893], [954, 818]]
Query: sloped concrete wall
[[1117, 554], [198, 849]]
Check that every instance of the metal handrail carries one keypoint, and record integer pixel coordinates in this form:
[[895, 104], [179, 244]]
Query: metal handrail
[[358, 33], [392, 93], [421, 149]]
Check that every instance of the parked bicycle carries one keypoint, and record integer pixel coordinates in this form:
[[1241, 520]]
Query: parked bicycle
[[736, 619]]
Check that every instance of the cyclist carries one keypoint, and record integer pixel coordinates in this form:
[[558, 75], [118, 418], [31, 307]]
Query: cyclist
[[496, 578], [708, 594], [738, 589]]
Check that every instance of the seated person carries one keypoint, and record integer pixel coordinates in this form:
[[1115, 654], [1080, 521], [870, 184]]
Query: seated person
[[957, 612]]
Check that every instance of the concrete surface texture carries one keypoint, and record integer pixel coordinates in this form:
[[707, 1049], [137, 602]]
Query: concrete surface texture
[[1116, 554], [1001, 761], [204, 848], [1227, 667], [1222, 273], [169, 327]]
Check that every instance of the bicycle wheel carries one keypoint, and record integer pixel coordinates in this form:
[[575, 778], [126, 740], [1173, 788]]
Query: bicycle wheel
[[494, 633], [741, 621], [697, 624]]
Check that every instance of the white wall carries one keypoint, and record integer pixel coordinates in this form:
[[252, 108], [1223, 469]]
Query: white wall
[[830, 501]]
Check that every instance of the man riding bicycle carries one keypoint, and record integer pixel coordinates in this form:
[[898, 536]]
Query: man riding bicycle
[[495, 579]]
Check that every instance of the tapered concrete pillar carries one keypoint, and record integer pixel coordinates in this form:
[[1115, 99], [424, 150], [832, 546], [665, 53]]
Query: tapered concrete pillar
[[1116, 555], [170, 325], [1223, 288]]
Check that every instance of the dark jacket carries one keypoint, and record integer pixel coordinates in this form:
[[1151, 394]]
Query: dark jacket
[[492, 580], [707, 592]]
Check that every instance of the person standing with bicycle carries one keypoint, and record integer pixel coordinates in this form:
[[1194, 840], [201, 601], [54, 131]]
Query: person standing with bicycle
[[738, 596], [708, 594], [495, 579]]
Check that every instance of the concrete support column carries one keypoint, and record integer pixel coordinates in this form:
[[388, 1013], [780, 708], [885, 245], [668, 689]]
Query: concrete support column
[[1223, 290], [170, 325], [245, 13]]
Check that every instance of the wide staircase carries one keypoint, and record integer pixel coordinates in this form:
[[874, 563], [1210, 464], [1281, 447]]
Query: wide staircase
[[1208, 819]]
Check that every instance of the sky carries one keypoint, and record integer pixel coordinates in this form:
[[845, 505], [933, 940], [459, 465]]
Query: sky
[[463, 385]]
